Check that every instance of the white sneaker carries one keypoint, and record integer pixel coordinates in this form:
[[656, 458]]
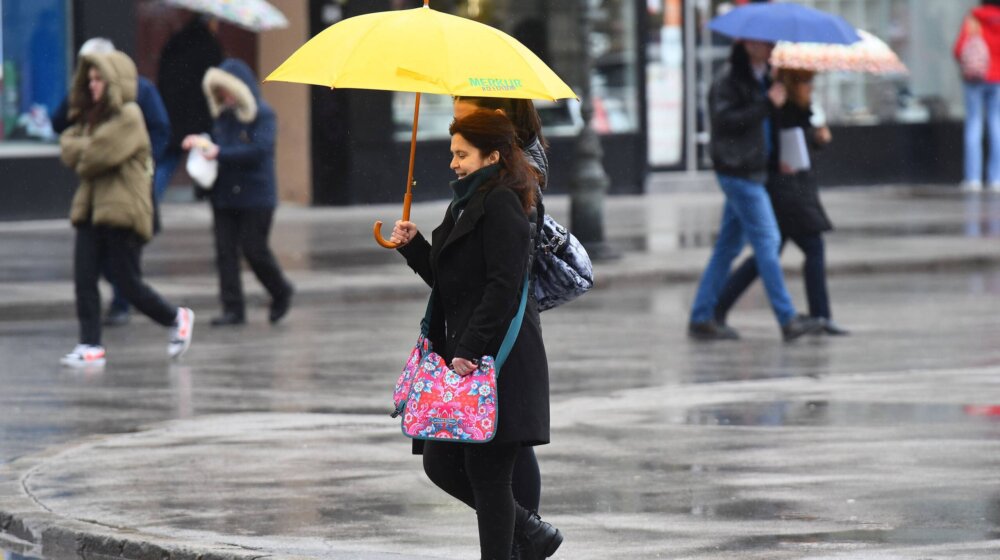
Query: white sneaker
[[180, 336], [84, 355], [972, 186]]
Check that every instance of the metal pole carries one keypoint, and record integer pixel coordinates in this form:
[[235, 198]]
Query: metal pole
[[590, 182]]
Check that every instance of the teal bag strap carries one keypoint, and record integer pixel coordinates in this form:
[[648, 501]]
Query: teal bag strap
[[508, 340], [512, 330]]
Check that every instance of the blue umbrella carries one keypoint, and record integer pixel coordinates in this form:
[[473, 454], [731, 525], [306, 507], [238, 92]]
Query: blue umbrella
[[784, 21]]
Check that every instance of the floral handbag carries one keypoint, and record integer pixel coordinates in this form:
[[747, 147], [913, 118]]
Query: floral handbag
[[439, 404]]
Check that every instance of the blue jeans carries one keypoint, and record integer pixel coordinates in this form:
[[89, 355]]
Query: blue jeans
[[747, 216], [165, 169], [982, 100], [813, 271]]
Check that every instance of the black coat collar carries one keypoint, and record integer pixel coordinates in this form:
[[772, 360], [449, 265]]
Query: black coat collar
[[450, 231]]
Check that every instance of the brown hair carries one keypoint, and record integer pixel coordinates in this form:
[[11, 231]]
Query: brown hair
[[93, 113], [488, 132], [792, 78], [521, 112]]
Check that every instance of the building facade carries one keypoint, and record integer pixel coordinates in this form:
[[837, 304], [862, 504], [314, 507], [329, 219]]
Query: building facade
[[652, 62]]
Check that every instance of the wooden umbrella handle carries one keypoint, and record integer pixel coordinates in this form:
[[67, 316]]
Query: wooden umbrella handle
[[377, 230]]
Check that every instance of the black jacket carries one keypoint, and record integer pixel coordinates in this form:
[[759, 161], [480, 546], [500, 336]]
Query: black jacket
[[738, 106], [183, 62], [476, 267], [795, 197]]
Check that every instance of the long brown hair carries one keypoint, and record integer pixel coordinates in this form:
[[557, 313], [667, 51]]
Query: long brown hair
[[93, 113], [521, 112], [488, 132]]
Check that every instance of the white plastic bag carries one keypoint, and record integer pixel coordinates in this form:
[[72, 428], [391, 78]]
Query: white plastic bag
[[202, 171]]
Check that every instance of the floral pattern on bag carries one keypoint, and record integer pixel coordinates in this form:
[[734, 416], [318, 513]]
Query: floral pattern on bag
[[439, 404]]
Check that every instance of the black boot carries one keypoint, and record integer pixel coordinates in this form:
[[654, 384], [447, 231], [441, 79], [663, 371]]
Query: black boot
[[228, 319], [536, 539]]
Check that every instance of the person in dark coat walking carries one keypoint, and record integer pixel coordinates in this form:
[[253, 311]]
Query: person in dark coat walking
[[108, 148], [244, 195], [476, 263], [742, 102], [183, 62], [527, 479], [158, 126], [795, 198]]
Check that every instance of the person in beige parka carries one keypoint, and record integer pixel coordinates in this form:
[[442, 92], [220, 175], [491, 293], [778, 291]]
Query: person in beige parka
[[109, 149]]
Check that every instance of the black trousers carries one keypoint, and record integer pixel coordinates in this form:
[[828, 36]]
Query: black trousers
[[527, 479], [119, 252], [480, 476], [813, 272], [246, 231]]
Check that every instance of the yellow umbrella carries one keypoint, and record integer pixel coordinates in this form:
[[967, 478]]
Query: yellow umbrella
[[423, 51]]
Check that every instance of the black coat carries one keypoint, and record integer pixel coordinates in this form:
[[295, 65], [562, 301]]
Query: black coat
[[183, 63], [738, 106], [476, 267], [795, 197]]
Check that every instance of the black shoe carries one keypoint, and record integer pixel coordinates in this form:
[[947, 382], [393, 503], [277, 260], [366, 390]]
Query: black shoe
[[280, 306], [833, 329], [228, 319], [117, 317], [800, 325], [515, 550], [712, 330], [534, 539]]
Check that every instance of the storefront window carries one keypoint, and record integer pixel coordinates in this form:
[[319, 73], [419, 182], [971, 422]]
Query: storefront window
[[922, 34], [665, 82], [34, 48], [548, 28]]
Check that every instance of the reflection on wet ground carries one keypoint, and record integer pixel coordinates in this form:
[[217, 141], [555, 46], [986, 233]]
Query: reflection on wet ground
[[822, 413], [886, 439]]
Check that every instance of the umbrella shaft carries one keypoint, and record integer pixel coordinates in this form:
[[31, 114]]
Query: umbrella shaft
[[413, 155]]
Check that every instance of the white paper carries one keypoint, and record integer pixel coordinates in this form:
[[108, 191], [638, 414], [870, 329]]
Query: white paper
[[202, 171], [794, 151]]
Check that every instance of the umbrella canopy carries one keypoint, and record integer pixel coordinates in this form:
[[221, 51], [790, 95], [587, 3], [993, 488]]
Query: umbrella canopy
[[254, 15], [422, 50], [870, 55], [784, 21]]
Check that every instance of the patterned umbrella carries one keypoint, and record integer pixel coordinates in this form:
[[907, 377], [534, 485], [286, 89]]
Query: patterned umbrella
[[254, 15], [870, 55]]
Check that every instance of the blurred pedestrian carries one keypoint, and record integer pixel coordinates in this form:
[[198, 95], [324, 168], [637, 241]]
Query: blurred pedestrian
[[475, 265], [112, 210], [742, 102], [154, 115], [977, 50], [795, 198], [244, 195], [527, 479], [184, 60]]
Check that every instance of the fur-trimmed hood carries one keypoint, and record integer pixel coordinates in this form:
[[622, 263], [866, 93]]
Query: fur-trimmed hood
[[234, 76], [118, 71]]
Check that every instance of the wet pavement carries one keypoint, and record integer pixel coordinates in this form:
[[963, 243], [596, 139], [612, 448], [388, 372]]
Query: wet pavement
[[275, 441]]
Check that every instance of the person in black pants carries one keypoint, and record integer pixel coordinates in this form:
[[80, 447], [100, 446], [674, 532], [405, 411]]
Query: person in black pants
[[109, 149], [244, 195], [475, 264], [801, 216], [527, 479]]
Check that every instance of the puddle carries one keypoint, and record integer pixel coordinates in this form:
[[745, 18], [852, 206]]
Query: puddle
[[838, 414]]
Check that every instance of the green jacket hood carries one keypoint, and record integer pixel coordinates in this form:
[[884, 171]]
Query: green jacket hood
[[118, 71]]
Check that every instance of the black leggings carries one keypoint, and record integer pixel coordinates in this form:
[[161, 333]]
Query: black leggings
[[480, 476], [527, 480]]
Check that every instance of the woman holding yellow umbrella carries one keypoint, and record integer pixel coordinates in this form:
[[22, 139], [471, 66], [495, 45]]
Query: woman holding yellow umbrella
[[426, 51], [475, 263]]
